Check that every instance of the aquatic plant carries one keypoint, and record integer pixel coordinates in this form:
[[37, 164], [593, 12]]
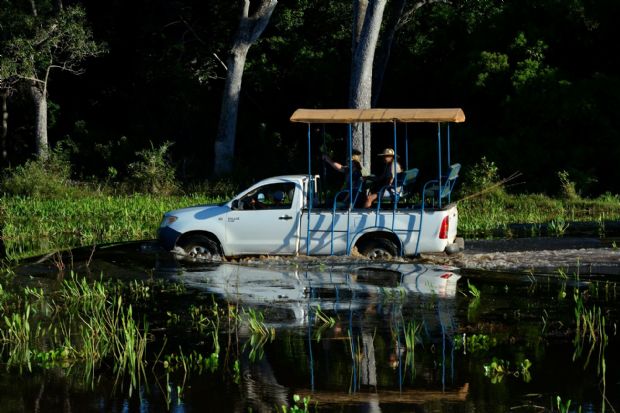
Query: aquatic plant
[[299, 405], [260, 334], [590, 327], [325, 322], [564, 407], [474, 304], [473, 290], [411, 331], [498, 368], [475, 343], [81, 321], [557, 226]]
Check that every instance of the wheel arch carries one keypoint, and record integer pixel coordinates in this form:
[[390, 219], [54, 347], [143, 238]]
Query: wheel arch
[[207, 234], [378, 233]]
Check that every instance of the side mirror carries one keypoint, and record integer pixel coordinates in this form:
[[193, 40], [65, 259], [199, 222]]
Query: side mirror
[[235, 204]]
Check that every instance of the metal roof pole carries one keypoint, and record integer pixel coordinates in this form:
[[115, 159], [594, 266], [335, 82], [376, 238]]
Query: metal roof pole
[[449, 160], [394, 173], [310, 191], [406, 147], [439, 158], [350, 138], [351, 167]]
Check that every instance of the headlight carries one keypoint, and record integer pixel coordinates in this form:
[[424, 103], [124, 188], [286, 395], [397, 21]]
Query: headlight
[[168, 220]]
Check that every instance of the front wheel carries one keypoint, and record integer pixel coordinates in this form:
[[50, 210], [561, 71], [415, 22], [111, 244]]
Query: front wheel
[[201, 247], [378, 249]]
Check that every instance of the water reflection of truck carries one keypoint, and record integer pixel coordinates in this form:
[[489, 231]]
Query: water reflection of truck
[[339, 288], [357, 296], [286, 216]]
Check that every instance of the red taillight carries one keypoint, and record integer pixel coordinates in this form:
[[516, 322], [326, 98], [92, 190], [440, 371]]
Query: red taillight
[[443, 230], [446, 276]]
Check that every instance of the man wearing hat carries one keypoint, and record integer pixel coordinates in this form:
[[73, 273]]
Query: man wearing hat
[[392, 167]]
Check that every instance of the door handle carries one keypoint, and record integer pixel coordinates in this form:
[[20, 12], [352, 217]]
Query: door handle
[[286, 217]]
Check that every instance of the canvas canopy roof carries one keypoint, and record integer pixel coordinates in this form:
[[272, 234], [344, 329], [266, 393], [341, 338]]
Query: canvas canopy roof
[[377, 115]]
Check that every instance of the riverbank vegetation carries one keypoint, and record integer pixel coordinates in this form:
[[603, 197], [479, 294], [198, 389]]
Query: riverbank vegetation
[[49, 212]]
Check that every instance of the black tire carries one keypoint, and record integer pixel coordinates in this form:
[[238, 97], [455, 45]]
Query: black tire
[[378, 249], [452, 249], [201, 247]]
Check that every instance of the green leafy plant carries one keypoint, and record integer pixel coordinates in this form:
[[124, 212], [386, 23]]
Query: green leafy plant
[[153, 173], [475, 343], [564, 407], [498, 368], [299, 405], [558, 226], [568, 189], [482, 177], [42, 177]]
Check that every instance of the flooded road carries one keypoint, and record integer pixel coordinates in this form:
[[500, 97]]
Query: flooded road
[[497, 328]]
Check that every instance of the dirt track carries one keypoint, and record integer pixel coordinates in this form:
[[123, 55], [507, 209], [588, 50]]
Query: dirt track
[[540, 255]]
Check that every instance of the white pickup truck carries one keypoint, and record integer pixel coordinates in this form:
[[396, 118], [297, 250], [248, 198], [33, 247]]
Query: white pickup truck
[[283, 215], [275, 217]]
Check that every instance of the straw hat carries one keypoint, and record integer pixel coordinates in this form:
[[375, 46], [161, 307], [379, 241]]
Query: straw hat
[[387, 152]]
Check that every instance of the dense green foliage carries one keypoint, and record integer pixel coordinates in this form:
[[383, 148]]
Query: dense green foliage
[[537, 79], [535, 214], [34, 226]]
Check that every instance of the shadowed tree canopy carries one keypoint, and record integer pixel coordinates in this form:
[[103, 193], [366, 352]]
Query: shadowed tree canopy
[[537, 79], [38, 40]]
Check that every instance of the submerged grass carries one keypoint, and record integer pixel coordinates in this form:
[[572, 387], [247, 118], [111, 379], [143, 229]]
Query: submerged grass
[[90, 328], [80, 322]]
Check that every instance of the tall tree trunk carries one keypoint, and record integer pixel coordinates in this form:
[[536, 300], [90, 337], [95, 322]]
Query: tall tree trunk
[[5, 128], [40, 106], [250, 29], [359, 14], [360, 89], [227, 129]]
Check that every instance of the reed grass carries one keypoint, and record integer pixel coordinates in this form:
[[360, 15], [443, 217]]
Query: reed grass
[[493, 215], [87, 322]]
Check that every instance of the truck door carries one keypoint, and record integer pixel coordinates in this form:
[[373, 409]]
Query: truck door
[[264, 221]]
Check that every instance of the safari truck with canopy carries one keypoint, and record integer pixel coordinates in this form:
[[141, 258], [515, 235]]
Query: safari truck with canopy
[[289, 215]]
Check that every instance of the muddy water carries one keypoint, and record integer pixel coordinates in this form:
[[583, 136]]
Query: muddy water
[[510, 349]]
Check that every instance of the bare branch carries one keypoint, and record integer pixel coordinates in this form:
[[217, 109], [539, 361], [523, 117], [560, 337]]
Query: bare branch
[[32, 79], [245, 10], [220, 60], [192, 31], [408, 15]]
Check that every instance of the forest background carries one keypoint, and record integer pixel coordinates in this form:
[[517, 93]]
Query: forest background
[[539, 82]]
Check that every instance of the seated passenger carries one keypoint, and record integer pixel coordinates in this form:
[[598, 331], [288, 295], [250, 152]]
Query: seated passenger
[[392, 167], [278, 198]]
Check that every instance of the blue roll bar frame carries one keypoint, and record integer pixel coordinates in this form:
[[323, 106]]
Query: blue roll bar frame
[[311, 186]]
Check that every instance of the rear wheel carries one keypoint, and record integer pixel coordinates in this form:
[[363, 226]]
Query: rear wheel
[[201, 247], [378, 249]]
